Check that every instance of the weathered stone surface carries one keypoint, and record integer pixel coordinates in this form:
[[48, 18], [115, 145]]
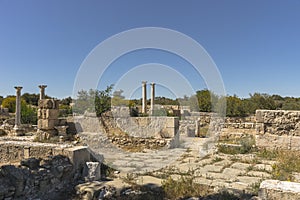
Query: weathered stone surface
[[46, 181], [248, 180], [259, 174], [92, 171], [211, 168], [278, 190], [240, 166], [78, 156], [31, 163], [233, 172], [278, 129], [263, 167]]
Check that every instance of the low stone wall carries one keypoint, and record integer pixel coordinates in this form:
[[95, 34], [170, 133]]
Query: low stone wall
[[278, 190], [147, 127], [278, 129], [86, 123], [15, 151]]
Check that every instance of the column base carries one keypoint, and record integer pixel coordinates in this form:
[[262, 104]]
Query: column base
[[18, 131]]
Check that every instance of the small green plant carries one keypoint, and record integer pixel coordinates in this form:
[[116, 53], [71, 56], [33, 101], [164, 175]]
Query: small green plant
[[217, 159], [107, 170], [246, 145], [287, 163], [203, 131], [183, 188], [267, 154], [250, 168], [130, 177], [254, 187]]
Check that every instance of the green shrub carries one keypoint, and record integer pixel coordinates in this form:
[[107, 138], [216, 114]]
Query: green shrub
[[246, 145], [287, 163], [183, 188]]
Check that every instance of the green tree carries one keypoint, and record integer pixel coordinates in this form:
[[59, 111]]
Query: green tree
[[235, 107], [118, 99], [66, 101], [260, 101], [28, 114], [103, 100], [10, 103], [207, 100], [291, 103], [32, 99], [93, 101], [1, 99]]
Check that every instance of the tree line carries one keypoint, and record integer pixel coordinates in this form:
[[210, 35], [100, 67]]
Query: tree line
[[100, 101]]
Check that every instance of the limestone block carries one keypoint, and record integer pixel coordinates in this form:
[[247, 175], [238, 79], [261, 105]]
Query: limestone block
[[57, 151], [277, 190], [78, 156], [190, 132], [273, 141], [48, 113], [167, 132], [170, 122], [92, 171], [259, 116], [295, 143], [47, 124], [260, 128], [48, 104]]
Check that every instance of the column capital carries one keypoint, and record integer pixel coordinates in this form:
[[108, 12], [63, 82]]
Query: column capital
[[42, 86], [144, 82], [18, 88]]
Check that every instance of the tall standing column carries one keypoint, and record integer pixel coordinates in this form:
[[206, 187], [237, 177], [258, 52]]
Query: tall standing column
[[144, 93], [42, 91], [18, 107], [152, 98]]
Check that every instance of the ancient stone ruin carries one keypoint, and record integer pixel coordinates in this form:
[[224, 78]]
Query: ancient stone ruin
[[278, 129], [48, 113]]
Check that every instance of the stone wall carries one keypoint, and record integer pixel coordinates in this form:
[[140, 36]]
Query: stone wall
[[197, 123], [51, 178], [278, 129], [149, 127], [15, 151]]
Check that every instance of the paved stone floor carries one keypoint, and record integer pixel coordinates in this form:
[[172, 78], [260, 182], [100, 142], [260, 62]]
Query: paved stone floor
[[237, 172]]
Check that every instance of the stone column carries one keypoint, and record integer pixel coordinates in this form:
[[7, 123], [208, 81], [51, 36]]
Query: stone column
[[42, 91], [152, 98], [144, 93], [18, 107]]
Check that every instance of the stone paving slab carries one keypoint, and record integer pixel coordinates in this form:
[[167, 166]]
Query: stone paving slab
[[223, 163], [264, 167], [201, 180], [249, 180], [241, 166], [219, 176], [211, 168], [233, 172], [239, 186], [259, 174]]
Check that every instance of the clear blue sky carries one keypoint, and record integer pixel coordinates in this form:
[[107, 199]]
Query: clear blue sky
[[255, 44]]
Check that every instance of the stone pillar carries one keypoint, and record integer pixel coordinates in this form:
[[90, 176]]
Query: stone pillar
[[152, 98], [18, 108], [42, 91], [144, 93]]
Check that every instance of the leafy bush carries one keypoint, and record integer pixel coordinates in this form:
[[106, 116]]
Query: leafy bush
[[28, 114]]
